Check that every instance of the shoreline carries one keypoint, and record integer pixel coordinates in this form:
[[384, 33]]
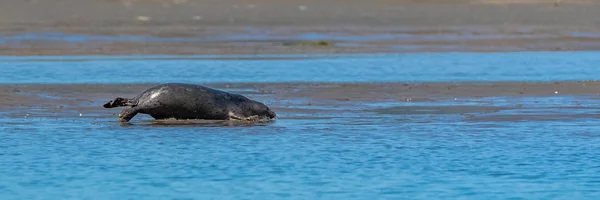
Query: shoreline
[[300, 41], [246, 56]]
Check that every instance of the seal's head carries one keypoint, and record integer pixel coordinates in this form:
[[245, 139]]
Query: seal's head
[[260, 109], [270, 113]]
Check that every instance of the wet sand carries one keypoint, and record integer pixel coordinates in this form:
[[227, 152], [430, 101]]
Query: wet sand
[[188, 27], [293, 100], [137, 27]]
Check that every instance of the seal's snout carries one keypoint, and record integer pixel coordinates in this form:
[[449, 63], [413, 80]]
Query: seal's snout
[[271, 114]]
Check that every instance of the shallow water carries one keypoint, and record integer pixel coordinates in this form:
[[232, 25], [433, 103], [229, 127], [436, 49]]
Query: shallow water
[[525, 148], [411, 67]]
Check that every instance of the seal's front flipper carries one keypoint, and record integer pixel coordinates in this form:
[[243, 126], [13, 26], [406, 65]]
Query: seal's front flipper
[[119, 102], [128, 113], [251, 118]]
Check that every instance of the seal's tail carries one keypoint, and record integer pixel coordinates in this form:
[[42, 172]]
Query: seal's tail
[[118, 102]]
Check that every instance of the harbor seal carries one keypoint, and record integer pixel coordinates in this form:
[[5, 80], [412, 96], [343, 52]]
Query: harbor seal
[[189, 101]]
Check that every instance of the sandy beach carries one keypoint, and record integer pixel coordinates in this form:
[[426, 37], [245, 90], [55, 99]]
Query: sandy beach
[[189, 27]]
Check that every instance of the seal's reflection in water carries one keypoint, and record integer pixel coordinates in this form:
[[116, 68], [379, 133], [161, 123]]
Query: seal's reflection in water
[[198, 123]]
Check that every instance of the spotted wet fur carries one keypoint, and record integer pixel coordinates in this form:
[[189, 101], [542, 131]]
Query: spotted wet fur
[[188, 101]]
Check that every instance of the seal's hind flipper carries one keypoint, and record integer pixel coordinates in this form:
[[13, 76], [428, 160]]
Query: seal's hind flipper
[[119, 102], [126, 114]]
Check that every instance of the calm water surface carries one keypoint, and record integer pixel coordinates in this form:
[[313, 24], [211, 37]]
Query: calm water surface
[[371, 156], [522, 66]]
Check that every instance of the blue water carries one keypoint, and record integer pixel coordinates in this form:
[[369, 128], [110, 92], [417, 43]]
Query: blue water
[[262, 35], [354, 155], [418, 67]]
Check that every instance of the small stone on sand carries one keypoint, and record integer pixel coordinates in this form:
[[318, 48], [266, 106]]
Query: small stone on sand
[[143, 18], [180, 1]]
